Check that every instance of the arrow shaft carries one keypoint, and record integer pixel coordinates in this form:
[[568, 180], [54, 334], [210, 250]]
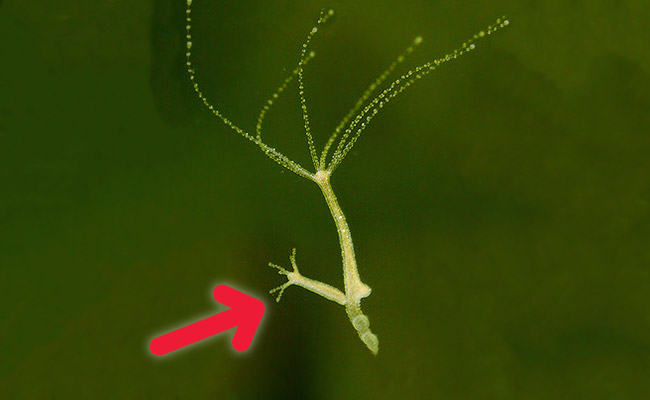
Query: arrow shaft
[[194, 332]]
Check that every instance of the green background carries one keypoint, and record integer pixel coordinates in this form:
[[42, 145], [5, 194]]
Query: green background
[[500, 208]]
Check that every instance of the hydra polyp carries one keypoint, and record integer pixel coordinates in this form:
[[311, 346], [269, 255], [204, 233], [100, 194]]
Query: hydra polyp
[[342, 139]]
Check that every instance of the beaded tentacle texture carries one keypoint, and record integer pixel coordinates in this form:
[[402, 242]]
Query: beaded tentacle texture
[[342, 139]]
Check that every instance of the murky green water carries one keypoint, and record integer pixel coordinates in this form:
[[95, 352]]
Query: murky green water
[[500, 209]]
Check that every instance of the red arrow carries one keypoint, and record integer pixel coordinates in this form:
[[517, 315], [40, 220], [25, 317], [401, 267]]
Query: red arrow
[[245, 312]]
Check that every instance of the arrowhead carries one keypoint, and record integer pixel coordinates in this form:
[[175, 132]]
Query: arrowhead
[[246, 311]]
